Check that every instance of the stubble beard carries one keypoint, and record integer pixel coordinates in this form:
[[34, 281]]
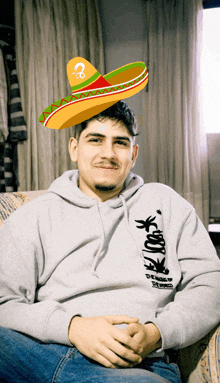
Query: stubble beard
[[104, 188]]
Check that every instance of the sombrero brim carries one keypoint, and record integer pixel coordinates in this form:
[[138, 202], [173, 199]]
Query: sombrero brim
[[71, 110]]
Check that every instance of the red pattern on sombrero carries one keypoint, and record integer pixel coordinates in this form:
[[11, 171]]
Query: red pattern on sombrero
[[100, 83]]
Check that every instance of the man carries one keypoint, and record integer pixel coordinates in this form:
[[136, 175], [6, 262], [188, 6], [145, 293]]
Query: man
[[103, 273]]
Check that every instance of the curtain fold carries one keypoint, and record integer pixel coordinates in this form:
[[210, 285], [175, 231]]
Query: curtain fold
[[48, 34], [12, 124], [174, 136]]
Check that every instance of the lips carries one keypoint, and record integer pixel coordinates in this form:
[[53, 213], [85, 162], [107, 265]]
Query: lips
[[106, 167]]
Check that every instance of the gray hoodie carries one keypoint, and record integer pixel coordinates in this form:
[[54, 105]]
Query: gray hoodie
[[143, 253]]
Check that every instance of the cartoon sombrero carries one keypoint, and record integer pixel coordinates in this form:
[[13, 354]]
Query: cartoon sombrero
[[93, 93]]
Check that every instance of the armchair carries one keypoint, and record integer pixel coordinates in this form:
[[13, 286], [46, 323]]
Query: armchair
[[198, 363]]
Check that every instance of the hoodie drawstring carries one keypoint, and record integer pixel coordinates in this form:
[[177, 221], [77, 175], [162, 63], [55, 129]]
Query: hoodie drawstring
[[98, 255]]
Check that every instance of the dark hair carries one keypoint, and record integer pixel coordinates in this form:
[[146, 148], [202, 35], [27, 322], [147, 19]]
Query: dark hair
[[119, 112]]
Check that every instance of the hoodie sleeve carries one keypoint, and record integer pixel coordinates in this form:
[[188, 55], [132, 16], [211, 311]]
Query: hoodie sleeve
[[195, 309], [21, 258]]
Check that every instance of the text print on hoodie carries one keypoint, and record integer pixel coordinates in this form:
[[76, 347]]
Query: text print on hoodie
[[143, 253]]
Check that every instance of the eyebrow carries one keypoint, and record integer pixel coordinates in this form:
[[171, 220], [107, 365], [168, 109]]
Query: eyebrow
[[103, 136]]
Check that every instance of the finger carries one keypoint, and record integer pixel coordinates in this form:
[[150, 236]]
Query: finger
[[113, 360], [122, 337], [119, 319], [104, 362], [132, 330], [125, 353]]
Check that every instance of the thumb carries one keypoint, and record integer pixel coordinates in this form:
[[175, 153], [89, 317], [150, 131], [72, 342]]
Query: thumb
[[119, 319]]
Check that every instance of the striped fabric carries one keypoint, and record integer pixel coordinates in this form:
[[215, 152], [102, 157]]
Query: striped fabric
[[9, 202], [3, 102], [17, 127], [8, 167], [16, 124]]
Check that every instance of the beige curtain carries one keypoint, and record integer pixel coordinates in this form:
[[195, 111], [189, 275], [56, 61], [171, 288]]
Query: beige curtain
[[48, 34], [174, 136]]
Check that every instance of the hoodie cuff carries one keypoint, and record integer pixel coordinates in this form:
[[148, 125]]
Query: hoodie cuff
[[57, 327], [170, 334]]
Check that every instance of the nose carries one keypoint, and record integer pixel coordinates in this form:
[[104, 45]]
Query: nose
[[107, 150]]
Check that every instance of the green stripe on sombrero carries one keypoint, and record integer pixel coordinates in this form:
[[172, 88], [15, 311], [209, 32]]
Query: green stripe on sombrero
[[87, 94], [126, 67], [87, 82]]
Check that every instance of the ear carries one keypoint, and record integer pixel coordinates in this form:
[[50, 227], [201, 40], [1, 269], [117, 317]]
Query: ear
[[73, 149], [134, 154]]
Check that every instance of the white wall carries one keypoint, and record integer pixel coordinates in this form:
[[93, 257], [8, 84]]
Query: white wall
[[123, 24]]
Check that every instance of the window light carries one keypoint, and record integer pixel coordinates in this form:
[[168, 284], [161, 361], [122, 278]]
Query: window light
[[210, 70]]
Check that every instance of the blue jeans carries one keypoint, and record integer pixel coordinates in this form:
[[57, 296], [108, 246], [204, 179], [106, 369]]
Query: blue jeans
[[23, 359]]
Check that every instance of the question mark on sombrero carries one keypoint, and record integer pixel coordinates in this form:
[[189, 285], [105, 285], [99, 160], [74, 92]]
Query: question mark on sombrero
[[79, 74]]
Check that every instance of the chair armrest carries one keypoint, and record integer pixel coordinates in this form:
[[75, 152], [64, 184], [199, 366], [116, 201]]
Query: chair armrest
[[9, 202], [199, 363]]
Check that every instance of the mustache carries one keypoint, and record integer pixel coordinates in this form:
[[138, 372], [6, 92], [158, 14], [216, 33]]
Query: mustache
[[111, 164]]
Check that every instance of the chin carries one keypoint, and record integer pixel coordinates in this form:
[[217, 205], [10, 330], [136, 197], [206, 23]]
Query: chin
[[105, 188]]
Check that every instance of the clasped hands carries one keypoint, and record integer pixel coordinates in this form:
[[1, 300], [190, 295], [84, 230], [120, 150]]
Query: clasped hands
[[99, 339]]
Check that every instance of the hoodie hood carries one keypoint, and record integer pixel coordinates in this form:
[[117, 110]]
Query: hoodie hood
[[66, 186]]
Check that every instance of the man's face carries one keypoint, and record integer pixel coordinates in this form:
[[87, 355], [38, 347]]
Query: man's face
[[105, 154]]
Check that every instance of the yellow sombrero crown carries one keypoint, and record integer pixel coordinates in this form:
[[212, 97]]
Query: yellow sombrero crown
[[93, 93]]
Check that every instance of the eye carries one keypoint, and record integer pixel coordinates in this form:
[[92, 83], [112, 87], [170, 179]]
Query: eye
[[95, 140], [122, 143]]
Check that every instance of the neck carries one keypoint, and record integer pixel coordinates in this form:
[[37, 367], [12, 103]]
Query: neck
[[100, 195]]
